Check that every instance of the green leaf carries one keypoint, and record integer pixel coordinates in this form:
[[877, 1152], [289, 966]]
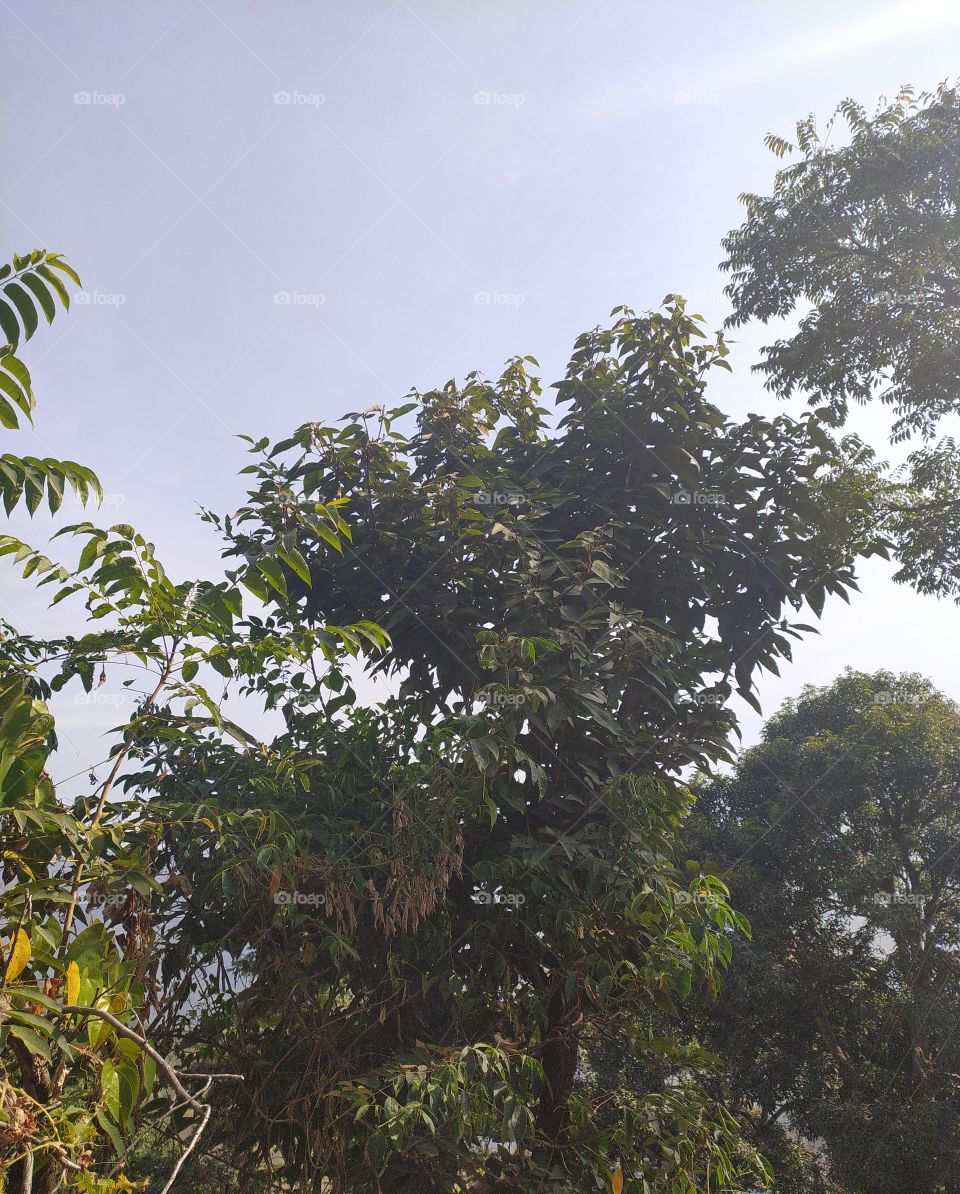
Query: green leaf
[[24, 305], [272, 570], [296, 561], [9, 324], [110, 1088], [35, 1043], [129, 1089], [110, 1128], [42, 295], [54, 260]]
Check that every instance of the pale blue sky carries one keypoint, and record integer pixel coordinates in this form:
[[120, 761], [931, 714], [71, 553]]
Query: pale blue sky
[[554, 158]]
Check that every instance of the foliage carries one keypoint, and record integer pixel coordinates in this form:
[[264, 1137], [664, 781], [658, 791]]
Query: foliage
[[402, 924], [864, 229], [27, 290], [68, 1086], [415, 929], [73, 1086], [840, 837], [77, 1074], [860, 239]]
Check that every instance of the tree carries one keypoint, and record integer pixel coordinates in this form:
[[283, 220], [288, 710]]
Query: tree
[[840, 835], [64, 1092], [860, 237], [434, 906], [76, 974]]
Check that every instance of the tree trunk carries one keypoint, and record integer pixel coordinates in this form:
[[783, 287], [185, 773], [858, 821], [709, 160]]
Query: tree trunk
[[560, 1049]]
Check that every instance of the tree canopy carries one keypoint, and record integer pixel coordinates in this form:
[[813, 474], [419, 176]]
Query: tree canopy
[[860, 242], [476, 933], [840, 835]]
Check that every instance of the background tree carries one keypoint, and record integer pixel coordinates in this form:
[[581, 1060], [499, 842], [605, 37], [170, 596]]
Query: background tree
[[859, 237], [840, 834]]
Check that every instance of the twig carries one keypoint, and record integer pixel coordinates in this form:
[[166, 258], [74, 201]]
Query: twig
[[61, 1152], [105, 792], [194, 1141], [170, 1075], [26, 1182]]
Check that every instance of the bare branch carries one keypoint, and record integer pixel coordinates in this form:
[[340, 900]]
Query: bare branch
[[171, 1077]]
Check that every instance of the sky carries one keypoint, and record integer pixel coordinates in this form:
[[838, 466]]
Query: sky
[[283, 211]]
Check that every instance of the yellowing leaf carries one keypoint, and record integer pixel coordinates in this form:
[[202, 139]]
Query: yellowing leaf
[[617, 1181], [73, 983], [275, 881], [19, 956]]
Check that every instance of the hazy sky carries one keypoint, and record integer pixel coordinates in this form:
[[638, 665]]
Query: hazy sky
[[433, 187]]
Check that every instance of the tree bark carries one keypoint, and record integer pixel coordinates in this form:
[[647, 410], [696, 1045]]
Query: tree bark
[[561, 1046]]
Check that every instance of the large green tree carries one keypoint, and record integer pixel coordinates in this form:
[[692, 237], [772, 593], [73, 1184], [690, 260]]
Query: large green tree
[[434, 906], [840, 835]]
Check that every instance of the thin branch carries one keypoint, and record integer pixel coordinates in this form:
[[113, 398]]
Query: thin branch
[[165, 1068], [170, 1075], [105, 792]]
